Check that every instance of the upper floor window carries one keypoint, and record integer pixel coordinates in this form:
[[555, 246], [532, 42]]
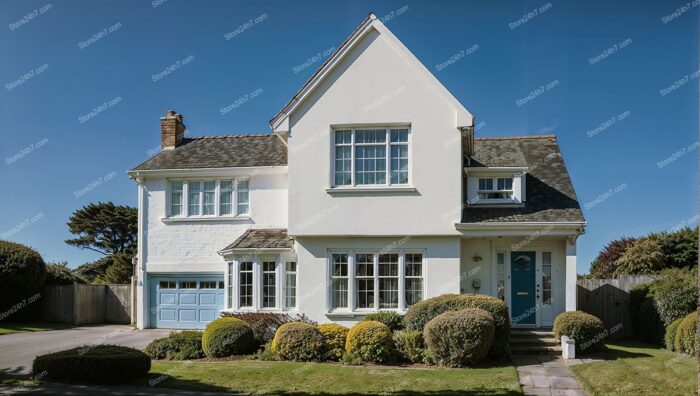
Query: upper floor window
[[209, 197], [371, 157], [495, 188]]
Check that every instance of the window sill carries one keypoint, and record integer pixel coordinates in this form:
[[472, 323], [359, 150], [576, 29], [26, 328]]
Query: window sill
[[497, 204], [168, 220], [370, 190], [354, 314], [261, 310]]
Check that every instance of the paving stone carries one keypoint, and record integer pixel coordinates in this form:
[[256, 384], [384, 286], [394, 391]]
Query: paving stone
[[540, 381], [530, 391], [568, 392], [532, 369], [564, 382], [558, 371], [526, 380]]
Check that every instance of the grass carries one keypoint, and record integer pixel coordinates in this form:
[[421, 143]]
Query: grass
[[639, 369], [270, 377], [22, 327]]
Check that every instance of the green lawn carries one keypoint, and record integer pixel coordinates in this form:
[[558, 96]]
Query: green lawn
[[262, 377], [639, 369], [21, 327]]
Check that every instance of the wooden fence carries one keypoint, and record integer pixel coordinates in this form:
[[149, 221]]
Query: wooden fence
[[608, 299], [86, 304]]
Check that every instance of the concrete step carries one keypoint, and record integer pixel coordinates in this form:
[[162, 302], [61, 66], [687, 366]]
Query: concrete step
[[531, 333], [533, 340], [535, 349]]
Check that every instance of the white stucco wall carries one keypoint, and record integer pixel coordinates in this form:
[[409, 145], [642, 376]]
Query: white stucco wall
[[442, 266], [374, 85], [192, 246]]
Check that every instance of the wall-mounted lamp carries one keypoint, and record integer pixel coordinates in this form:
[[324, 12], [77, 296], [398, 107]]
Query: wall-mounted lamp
[[476, 257]]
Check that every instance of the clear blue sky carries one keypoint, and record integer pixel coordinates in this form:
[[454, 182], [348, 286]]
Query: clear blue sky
[[563, 45]]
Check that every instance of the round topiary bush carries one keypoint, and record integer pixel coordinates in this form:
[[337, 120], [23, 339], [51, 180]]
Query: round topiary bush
[[22, 275], [182, 345], [460, 338], [421, 313], [371, 342], [651, 328], [390, 318], [334, 336], [227, 337], [101, 364], [670, 336], [686, 335], [411, 347], [299, 341], [587, 330]]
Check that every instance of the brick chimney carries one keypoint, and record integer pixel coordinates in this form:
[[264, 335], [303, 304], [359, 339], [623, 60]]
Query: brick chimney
[[172, 130]]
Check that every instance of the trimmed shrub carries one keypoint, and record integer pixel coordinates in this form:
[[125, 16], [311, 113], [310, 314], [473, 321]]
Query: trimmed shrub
[[299, 341], [101, 364], [22, 275], [687, 336], [371, 341], [184, 345], [265, 324], [228, 336], [638, 294], [410, 346], [460, 338], [651, 328], [675, 294], [670, 336], [587, 330], [334, 336], [59, 274], [390, 318], [419, 314]]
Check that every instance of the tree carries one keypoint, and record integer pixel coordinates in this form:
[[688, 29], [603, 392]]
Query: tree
[[643, 257], [58, 273], [104, 227], [680, 248], [92, 271], [121, 269], [605, 263], [22, 275]]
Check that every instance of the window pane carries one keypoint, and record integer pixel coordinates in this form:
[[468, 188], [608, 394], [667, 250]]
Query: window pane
[[388, 280], [343, 137], [245, 281], [370, 136], [340, 264], [365, 293], [389, 264], [414, 291], [364, 264], [414, 264], [176, 198], [167, 284], [209, 198], [188, 284], [269, 284], [225, 197], [207, 285], [194, 198], [399, 135], [339, 293], [230, 285], [399, 164], [242, 196], [547, 277], [290, 284], [414, 280], [370, 164], [343, 165]]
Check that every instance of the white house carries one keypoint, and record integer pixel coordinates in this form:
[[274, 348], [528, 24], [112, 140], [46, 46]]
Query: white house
[[371, 193]]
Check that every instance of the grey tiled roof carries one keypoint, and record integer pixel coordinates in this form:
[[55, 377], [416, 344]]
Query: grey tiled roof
[[269, 238], [549, 194], [220, 152]]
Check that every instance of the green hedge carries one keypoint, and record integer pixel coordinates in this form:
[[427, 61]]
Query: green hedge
[[687, 336], [460, 338], [334, 336], [227, 337], [22, 276], [411, 347], [390, 318], [675, 294], [184, 345], [371, 342], [651, 328], [101, 364], [419, 314], [587, 330], [670, 336], [299, 341], [638, 295]]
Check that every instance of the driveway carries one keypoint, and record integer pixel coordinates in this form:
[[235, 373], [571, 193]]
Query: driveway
[[17, 351]]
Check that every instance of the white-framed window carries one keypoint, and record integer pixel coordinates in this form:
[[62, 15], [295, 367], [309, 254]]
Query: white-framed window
[[209, 198], [339, 280], [380, 280], [269, 284], [290, 284], [547, 278], [371, 156], [413, 278], [230, 285], [245, 284], [501, 275], [498, 188]]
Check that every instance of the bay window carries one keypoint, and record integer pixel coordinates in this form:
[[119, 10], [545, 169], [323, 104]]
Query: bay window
[[371, 157], [380, 280], [245, 284], [290, 284], [269, 278], [209, 198], [265, 283]]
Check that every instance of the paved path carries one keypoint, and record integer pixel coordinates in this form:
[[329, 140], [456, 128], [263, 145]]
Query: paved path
[[546, 375], [18, 350]]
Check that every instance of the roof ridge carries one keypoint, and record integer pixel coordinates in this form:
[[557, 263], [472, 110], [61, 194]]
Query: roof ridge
[[231, 136], [550, 136]]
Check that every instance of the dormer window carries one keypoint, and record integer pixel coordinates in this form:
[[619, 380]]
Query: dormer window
[[495, 188]]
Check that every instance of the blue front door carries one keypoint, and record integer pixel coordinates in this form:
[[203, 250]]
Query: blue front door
[[523, 299]]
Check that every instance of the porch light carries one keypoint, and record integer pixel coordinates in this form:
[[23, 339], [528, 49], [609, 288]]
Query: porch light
[[476, 257]]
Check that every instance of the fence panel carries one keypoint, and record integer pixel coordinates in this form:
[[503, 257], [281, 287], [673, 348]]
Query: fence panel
[[118, 304], [86, 304]]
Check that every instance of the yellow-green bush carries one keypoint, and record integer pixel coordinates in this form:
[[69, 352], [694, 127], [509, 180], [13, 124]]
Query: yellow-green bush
[[670, 336], [299, 342], [587, 330], [371, 341], [410, 346], [687, 336], [334, 336], [460, 338], [227, 337]]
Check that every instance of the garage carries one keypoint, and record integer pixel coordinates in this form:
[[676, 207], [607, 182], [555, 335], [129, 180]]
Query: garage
[[185, 301]]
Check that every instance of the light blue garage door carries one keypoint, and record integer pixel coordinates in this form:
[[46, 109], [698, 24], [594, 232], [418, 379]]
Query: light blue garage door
[[185, 302]]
